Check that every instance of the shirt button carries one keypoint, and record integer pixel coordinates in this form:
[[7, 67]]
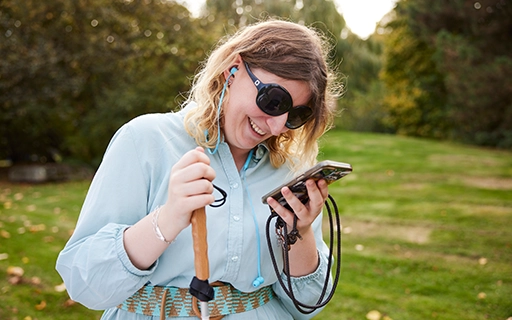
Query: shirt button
[[236, 218], [235, 258], [234, 185]]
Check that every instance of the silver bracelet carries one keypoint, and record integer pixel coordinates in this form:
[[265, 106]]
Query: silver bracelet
[[157, 230]]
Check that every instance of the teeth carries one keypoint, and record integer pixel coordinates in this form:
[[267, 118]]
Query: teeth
[[256, 128]]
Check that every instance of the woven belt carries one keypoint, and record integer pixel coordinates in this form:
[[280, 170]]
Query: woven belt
[[180, 303]]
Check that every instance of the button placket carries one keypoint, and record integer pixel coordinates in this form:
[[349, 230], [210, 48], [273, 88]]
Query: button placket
[[235, 222]]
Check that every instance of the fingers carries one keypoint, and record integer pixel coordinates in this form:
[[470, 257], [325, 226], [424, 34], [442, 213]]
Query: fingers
[[306, 213], [194, 165], [317, 192], [190, 183]]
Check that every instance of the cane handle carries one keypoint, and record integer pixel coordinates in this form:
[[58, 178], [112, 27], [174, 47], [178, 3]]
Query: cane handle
[[198, 220]]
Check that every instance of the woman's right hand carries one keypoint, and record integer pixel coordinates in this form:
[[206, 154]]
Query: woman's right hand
[[190, 188]]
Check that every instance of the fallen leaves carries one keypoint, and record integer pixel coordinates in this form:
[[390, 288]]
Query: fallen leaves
[[8, 205], [35, 281], [70, 303], [33, 227], [15, 275], [376, 315], [373, 315], [13, 271], [37, 228], [41, 305], [5, 234], [482, 295], [60, 288]]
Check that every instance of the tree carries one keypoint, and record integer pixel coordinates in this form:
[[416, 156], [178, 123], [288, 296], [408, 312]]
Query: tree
[[415, 93], [72, 71], [474, 51], [450, 62]]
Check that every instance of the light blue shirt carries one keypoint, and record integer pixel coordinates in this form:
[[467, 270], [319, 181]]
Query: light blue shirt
[[132, 181]]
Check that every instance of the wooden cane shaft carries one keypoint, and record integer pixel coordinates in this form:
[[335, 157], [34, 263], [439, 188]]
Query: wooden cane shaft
[[200, 245]]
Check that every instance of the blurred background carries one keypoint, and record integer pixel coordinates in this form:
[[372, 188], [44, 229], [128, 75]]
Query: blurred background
[[425, 120], [71, 72]]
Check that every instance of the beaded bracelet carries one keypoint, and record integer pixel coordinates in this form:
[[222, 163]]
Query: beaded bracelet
[[157, 230]]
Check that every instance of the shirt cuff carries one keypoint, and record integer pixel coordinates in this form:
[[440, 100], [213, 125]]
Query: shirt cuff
[[301, 283]]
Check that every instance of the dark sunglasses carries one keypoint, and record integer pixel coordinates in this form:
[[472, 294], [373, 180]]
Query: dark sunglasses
[[275, 100]]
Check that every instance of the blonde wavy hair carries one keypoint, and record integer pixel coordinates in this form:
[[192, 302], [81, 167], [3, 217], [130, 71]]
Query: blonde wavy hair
[[286, 49]]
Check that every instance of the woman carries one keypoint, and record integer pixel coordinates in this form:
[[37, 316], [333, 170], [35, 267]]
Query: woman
[[255, 111]]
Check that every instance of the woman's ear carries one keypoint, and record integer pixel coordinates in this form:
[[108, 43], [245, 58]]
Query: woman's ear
[[233, 70], [230, 73]]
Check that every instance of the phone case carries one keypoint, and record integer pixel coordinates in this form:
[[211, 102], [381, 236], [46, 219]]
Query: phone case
[[329, 170]]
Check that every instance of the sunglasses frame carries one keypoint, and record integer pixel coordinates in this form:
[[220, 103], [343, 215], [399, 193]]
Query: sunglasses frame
[[265, 90]]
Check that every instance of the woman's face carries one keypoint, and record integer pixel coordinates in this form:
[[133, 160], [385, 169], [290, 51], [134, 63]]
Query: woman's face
[[245, 125]]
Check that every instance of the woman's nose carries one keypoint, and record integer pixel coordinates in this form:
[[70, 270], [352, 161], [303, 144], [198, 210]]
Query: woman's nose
[[277, 124]]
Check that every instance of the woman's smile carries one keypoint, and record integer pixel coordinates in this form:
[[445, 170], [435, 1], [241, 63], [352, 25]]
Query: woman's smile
[[256, 129]]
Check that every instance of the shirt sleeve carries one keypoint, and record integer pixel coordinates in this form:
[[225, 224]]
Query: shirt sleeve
[[308, 289], [94, 265]]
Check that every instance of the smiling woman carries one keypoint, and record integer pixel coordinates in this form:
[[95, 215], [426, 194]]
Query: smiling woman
[[255, 111]]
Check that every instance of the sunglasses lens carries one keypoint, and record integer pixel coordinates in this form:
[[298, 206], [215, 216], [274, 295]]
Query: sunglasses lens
[[273, 100], [298, 116]]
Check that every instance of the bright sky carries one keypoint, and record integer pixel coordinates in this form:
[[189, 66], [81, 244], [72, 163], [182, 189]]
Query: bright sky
[[361, 15]]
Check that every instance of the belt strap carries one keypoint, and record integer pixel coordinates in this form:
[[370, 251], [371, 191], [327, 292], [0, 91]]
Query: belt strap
[[179, 302]]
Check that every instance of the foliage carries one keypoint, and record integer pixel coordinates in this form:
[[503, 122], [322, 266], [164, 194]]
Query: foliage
[[73, 71], [361, 106], [477, 62], [415, 94], [448, 70], [426, 234]]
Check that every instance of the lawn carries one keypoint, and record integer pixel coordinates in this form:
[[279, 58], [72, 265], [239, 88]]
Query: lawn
[[426, 234]]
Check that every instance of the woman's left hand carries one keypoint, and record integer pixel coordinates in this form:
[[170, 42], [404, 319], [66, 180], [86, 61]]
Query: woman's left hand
[[306, 213], [303, 255]]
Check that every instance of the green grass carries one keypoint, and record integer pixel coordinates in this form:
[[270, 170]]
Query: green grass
[[35, 223], [427, 229], [427, 233]]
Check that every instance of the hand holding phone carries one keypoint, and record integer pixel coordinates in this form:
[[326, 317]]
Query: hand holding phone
[[328, 170]]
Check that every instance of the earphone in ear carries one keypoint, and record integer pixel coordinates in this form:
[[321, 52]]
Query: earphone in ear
[[233, 70]]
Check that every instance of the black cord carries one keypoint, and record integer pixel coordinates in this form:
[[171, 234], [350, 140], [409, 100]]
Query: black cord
[[219, 202], [288, 239]]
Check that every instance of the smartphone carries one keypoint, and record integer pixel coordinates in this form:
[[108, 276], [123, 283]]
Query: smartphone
[[328, 170]]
